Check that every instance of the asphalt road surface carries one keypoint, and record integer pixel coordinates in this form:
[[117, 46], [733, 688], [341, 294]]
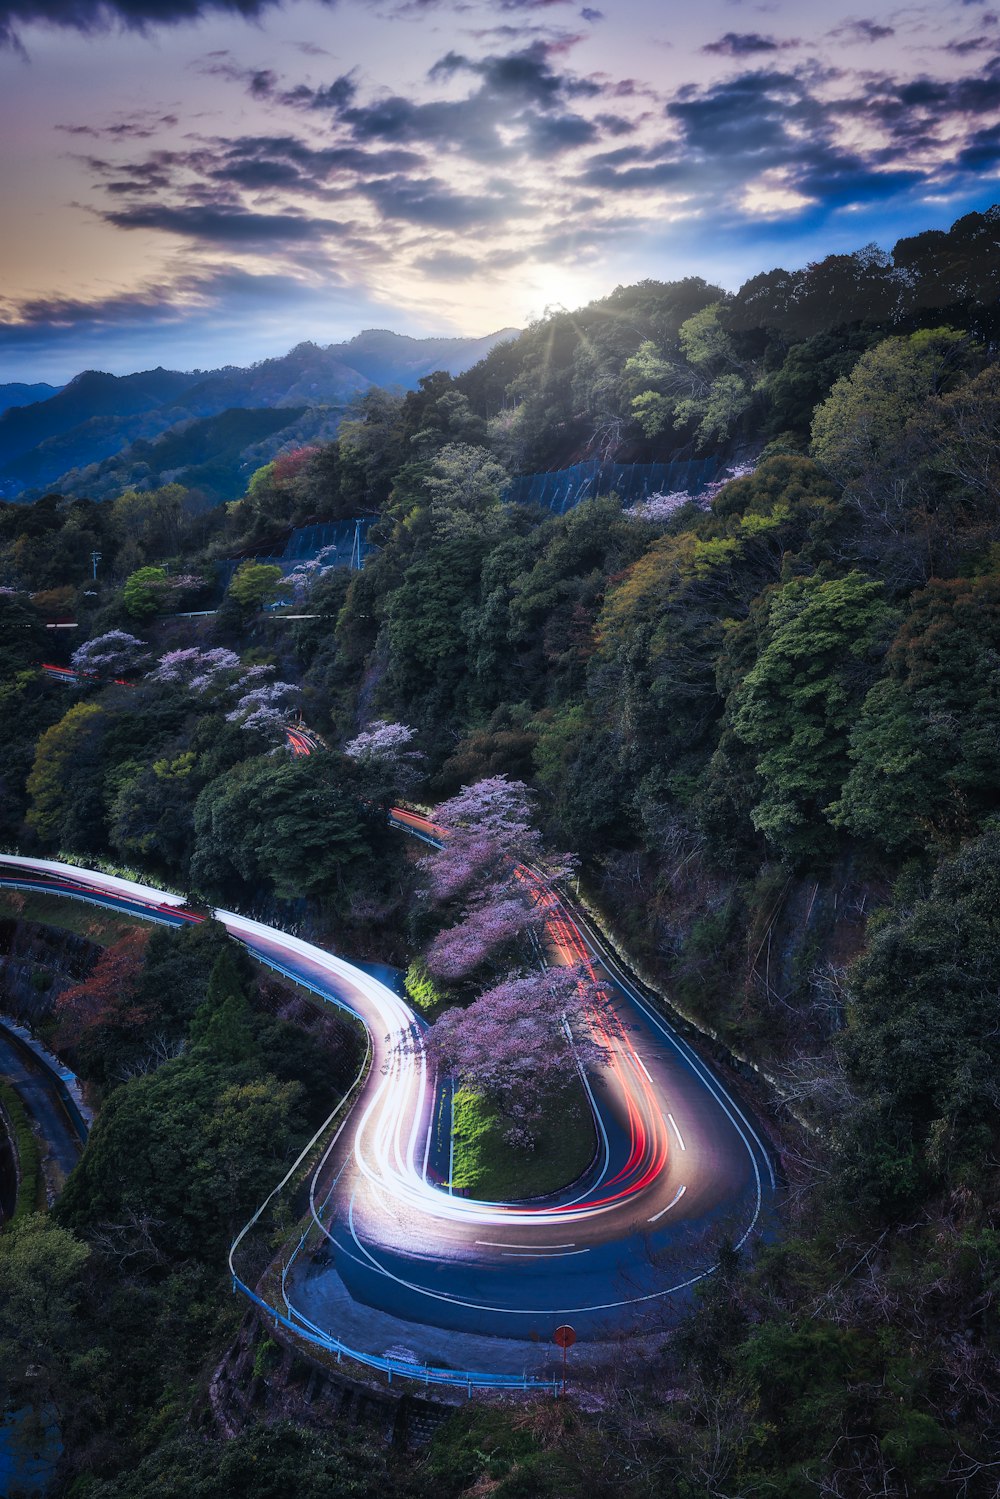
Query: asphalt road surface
[[409, 1269]]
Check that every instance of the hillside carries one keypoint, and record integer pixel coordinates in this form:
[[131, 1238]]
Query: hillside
[[98, 415], [761, 720]]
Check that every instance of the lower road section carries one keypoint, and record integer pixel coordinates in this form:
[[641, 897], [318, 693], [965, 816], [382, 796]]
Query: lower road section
[[397, 1269]]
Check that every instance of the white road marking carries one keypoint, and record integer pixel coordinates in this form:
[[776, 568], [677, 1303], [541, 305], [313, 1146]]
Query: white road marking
[[680, 1194], [534, 1254], [500, 1244], [680, 1138]]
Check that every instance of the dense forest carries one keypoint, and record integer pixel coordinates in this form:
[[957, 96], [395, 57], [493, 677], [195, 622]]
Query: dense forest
[[764, 719]]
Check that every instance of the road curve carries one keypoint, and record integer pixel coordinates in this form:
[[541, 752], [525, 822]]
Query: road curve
[[412, 1271]]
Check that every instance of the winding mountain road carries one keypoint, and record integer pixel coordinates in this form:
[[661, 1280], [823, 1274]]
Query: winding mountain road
[[410, 1271]]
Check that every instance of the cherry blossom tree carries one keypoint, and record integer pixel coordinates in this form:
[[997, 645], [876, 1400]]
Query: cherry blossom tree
[[304, 574], [487, 828], [484, 930], [383, 750], [267, 708], [657, 509], [191, 666], [512, 1044], [488, 840], [116, 654]]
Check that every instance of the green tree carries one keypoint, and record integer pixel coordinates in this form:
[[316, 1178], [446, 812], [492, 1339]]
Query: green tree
[[294, 826], [40, 1287], [50, 786], [222, 1027], [797, 704], [144, 592], [862, 434], [922, 1043], [254, 584], [187, 1149], [263, 1462], [925, 745]]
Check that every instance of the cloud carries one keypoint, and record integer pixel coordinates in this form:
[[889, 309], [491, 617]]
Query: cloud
[[448, 265], [775, 143], [971, 44], [198, 318], [746, 44], [429, 201], [91, 16], [224, 225], [519, 109], [862, 31]]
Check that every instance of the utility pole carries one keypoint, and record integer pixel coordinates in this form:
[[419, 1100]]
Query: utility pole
[[95, 558]]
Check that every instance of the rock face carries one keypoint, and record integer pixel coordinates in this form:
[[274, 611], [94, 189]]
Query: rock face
[[264, 1378]]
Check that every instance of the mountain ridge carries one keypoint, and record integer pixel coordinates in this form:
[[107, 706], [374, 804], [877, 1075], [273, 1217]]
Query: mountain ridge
[[96, 416]]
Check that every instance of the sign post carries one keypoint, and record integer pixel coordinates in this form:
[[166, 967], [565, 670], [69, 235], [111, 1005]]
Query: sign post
[[564, 1338]]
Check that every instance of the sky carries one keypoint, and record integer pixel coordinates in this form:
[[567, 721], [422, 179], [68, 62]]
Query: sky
[[202, 182]]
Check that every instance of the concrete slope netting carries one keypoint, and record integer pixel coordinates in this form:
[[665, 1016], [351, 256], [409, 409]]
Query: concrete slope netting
[[561, 489]]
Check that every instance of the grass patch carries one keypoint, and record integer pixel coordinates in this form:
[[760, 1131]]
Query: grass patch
[[489, 1167], [423, 993], [68, 914], [29, 1157]]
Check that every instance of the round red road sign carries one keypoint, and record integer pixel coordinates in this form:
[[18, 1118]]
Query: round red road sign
[[564, 1337]]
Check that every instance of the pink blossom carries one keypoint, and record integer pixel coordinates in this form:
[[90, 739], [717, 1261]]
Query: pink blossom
[[264, 720], [488, 832], [115, 654], [381, 741], [265, 707], [460, 950], [385, 748], [304, 574], [511, 1043], [659, 508], [198, 669]]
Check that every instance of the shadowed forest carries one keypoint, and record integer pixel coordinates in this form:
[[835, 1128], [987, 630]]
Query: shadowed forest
[[763, 720]]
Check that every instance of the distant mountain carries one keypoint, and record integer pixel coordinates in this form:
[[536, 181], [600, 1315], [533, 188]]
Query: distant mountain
[[215, 453], [393, 359], [97, 417], [90, 395], [17, 394]]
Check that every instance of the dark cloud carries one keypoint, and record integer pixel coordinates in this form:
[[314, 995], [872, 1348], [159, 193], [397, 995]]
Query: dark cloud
[[525, 77], [972, 44], [982, 151], [862, 31], [224, 224], [778, 128], [137, 128], [614, 124], [746, 44], [104, 15], [264, 83], [253, 164], [519, 108], [587, 14], [430, 202]]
